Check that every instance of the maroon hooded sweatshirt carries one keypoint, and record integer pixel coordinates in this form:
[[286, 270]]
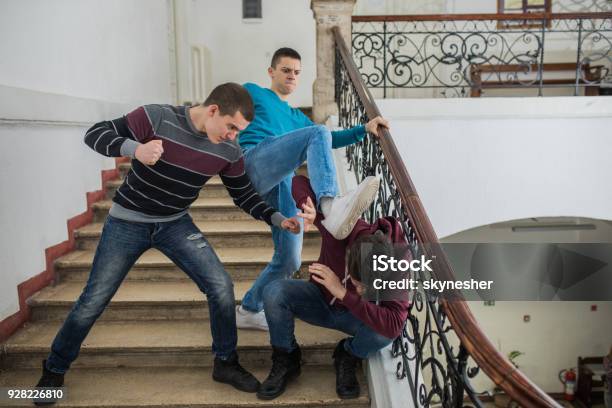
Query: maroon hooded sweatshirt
[[386, 318]]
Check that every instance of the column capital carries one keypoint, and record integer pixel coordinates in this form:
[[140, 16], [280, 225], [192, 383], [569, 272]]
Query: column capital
[[332, 9], [327, 14]]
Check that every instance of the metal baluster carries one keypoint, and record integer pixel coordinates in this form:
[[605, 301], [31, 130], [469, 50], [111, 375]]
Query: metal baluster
[[578, 52], [541, 65], [385, 59]]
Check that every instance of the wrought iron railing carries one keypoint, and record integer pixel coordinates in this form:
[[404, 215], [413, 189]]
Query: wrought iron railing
[[462, 55], [442, 347]]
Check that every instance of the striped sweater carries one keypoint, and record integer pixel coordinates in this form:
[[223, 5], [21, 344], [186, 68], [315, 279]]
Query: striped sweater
[[165, 190]]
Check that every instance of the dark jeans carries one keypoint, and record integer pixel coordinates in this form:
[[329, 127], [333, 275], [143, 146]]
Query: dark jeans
[[121, 244], [286, 299]]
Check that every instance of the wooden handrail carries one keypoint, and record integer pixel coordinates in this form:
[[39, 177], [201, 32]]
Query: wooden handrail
[[478, 345], [482, 17]]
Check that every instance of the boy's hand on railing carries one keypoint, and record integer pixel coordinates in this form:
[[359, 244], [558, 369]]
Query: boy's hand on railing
[[308, 213], [372, 126]]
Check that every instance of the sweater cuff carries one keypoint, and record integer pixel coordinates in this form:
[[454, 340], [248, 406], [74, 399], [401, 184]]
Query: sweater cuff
[[351, 299], [277, 219], [361, 133], [128, 148]]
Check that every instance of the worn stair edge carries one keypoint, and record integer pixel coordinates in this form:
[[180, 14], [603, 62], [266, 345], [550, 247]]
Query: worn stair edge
[[125, 167], [176, 387], [220, 234], [240, 263], [208, 228], [170, 343], [135, 300], [155, 259], [201, 209], [214, 188]]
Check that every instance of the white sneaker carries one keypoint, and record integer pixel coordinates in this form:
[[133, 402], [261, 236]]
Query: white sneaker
[[250, 320], [346, 210]]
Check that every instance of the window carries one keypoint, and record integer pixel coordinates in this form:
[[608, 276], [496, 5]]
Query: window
[[523, 7], [251, 9]]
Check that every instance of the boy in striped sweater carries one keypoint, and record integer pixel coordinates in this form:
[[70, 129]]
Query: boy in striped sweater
[[175, 150]]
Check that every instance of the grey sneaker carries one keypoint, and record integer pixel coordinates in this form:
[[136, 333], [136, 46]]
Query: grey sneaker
[[250, 321], [346, 210]]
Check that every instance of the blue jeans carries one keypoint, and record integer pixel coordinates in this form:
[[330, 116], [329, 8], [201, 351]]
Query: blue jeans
[[286, 299], [121, 244], [271, 165]]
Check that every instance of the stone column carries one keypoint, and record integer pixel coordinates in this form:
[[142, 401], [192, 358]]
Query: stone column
[[327, 14]]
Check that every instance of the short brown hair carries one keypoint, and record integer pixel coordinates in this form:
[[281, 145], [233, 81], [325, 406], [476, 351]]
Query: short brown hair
[[284, 52], [360, 253], [231, 98]]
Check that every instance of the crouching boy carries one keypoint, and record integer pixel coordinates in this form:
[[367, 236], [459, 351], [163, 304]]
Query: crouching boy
[[332, 299]]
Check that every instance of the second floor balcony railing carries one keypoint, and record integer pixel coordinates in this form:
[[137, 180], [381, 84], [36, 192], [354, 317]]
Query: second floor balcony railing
[[474, 54]]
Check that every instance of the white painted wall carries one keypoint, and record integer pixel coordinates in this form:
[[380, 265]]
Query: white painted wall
[[391, 7], [65, 65], [480, 161], [477, 162], [110, 50], [40, 189], [240, 51]]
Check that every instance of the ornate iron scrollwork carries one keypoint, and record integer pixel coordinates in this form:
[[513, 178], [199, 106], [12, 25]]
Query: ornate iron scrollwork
[[444, 56], [430, 356]]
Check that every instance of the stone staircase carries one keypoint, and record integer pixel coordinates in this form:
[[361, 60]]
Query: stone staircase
[[152, 346]]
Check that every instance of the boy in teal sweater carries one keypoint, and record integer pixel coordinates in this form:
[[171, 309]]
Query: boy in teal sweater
[[275, 144]]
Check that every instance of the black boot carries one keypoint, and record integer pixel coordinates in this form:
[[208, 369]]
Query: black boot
[[285, 367], [346, 364], [48, 379], [231, 372]]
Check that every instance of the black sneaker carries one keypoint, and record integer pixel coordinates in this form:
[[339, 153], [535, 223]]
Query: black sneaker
[[231, 372], [48, 379], [346, 364], [285, 367]]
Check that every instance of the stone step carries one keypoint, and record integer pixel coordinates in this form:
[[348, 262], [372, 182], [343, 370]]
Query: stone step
[[240, 263], [179, 387], [184, 343], [135, 300], [213, 189], [208, 209], [230, 234], [125, 167]]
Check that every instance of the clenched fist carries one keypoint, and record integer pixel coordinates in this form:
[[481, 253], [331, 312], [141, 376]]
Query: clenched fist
[[150, 152], [292, 225]]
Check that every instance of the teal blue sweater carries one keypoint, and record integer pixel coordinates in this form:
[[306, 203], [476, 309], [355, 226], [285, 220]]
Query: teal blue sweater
[[274, 117]]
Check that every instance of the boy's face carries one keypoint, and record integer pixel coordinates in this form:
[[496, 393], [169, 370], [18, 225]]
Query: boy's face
[[220, 128], [285, 75]]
